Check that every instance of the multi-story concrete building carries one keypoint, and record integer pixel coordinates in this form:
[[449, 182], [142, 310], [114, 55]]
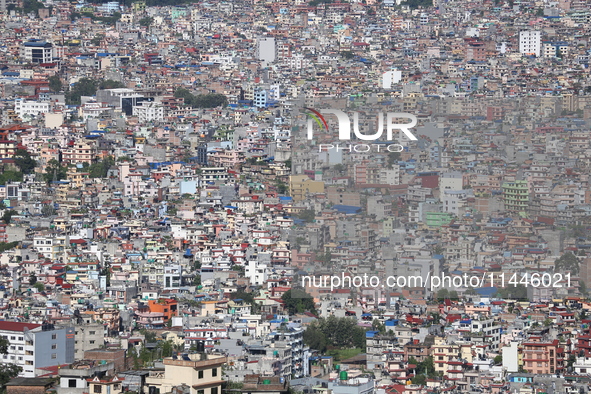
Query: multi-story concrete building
[[201, 372], [24, 107], [530, 42], [89, 335], [377, 348], [540, 357], [515, 196], [34, 346], [74, 379], [266, 50], [37, 51], [148, 111]]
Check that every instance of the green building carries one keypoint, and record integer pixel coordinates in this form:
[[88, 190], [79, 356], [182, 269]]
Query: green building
[[516, 196], [438, 219]]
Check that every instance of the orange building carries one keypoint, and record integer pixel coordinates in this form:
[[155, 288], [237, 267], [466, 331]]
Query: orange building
[[168, 307], [543, 357]]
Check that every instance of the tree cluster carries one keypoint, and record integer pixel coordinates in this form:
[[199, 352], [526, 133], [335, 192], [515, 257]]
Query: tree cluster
[[568, 262], [414, 4], [88, 87], [298, 301], [100, 169], [334, 332], [209, 100], [54, 171], [424, 370], [518, 292]]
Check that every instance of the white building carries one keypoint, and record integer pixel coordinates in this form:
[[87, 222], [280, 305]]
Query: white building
[[390, 176], [297, 61], [35, 346], [391, 77], [148, 111], [37, 51], [530, 42], [266, 49], [32, 108]]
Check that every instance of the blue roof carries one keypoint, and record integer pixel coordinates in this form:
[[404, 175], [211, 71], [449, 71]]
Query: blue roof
[[486, 291], [36, 43], [347, 209]]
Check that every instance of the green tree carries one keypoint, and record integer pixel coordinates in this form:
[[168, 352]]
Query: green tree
[[393, 158], [420, 380], [414, 4], [571, 360], [242, 295], [209, 100], [84, 87], [307, 215], [442, 294], [197, 280], [24, 161], [10, 176], [335, 332], [110, 84], [146, 22], [100, 169], [315, 338], [568, 262], [4, 246], [149, 336], [55, 84], [48, 210], [54, 171], [347, 55], [7, 216], [498, 360], [518, 292], [39, 286], [298, 301], [378, 326], [7, 371], [32, 279], [282, 187]]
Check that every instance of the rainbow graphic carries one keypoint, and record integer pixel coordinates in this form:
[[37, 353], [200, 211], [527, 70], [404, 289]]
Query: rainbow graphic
[[317, 116]]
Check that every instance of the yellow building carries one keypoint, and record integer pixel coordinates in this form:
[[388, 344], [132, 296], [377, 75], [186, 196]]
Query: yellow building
[[301, 185], [201, 372]]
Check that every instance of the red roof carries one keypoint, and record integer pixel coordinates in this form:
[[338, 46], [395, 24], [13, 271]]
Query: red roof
[[16, 326]]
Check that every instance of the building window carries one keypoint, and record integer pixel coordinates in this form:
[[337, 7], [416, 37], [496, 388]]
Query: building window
[[200, 374], [71, 382], [53, 336], [54, 346], [97, 389], [53, 355], [214, 390], [214, 372]]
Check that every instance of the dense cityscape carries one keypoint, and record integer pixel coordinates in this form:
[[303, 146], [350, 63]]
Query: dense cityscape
[[186, 209]]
